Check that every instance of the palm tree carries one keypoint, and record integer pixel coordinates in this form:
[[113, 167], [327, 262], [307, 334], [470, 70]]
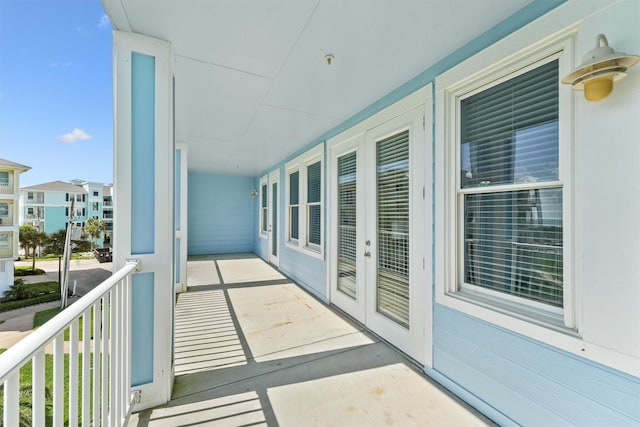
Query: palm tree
[[27, 233], [38, 239], [31, 237], [94, 228]]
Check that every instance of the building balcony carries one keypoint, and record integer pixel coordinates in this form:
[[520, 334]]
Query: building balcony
[[6, 187], [7, 220]]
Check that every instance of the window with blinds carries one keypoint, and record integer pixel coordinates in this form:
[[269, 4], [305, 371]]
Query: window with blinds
[[392, 286], [512, 235], [263, 208], [314, 201], [347, 210], [294, 205]]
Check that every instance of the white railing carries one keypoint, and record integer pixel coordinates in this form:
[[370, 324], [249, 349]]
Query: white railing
[[97, 364]]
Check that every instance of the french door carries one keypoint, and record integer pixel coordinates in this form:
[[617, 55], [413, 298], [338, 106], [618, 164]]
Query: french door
[[378, 230]]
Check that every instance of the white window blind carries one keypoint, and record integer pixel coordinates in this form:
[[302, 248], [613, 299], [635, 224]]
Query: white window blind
[[314, 199], [294, 205], [513, 237], [263, 208], [393, 227], [347, 210]]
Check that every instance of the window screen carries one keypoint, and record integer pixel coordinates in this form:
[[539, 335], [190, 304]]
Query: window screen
[[294, 187], [393, 227], [347, 210], [513, 237], [314, 203]]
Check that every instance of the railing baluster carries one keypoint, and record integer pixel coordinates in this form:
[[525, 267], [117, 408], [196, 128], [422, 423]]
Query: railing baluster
[[108, 400], [113, 310], [58, 380], [97, 326], [73, 373], [37, 389], [86, 373], [105, 359], [11, 414], [115, 354], [127, 342]]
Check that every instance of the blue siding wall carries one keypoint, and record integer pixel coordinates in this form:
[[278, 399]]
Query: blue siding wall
[[142, 295], [306, 270], [55, 219], [142, 153], [220, 214], [529, 382]]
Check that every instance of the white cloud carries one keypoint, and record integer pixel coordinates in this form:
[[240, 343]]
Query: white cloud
[[74, 136], [60, 64], [104, 22]]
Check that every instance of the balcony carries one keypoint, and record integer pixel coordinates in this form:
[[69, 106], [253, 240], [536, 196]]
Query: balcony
[[6, 187], [251, 348], [6, 220]]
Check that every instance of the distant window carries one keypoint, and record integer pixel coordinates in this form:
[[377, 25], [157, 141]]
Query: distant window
[[4, 241], [30, 196], [95, 194], [95, 206], [303, 199], [4, 210], [29, 211], [4, 178], [78, 197]]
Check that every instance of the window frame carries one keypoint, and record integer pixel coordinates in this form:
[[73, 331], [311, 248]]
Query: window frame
[[263, 199], [4, 183], [489, 305], [300, 165]]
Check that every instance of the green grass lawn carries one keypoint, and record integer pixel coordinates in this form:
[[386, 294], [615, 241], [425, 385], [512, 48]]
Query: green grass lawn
[[26, 395], [43, 316]]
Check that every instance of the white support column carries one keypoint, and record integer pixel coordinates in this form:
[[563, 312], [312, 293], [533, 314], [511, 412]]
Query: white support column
[[181, 176], [144, 210]]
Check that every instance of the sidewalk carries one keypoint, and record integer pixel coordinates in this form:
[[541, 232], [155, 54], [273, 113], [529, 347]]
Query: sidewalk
[[88, 273], [19, 323]]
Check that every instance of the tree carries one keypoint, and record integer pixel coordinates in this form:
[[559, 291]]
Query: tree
[[38, 239], [55, 242], [31, 237], [26, 236], [94, 228]]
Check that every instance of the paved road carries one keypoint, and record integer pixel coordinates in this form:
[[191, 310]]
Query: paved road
[[88, 273]]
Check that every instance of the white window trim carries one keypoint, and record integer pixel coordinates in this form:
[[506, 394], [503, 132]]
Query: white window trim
[[263, 182], [498, 63], [300, 164]]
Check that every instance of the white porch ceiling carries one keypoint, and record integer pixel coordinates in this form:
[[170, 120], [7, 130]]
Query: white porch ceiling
[[252, 84]]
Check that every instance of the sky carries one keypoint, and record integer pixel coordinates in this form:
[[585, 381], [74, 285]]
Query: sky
[[56, 106]]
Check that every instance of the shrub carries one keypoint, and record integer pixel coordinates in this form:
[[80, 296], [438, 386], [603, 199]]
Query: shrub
[[27, 271], [13, 305]]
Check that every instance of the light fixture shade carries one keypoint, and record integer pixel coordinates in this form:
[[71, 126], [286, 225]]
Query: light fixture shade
[[600, 63]]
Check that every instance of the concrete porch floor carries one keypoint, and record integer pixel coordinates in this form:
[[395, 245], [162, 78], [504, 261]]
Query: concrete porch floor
[[254, 349]]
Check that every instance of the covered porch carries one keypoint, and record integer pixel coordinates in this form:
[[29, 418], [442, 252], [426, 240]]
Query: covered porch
[[253, 348]]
